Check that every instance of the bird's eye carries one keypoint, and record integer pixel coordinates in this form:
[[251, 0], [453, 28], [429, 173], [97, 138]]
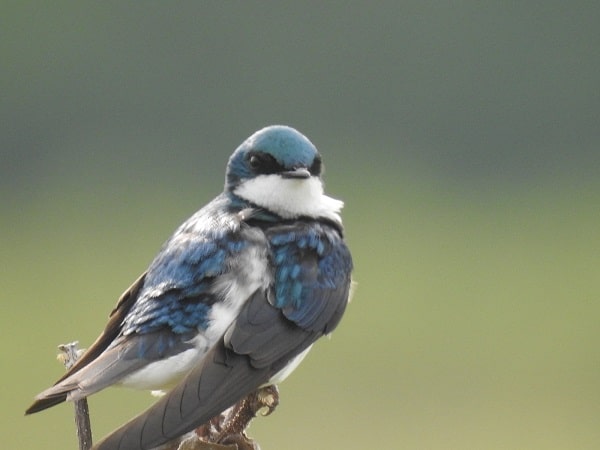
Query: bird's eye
[[315, 168], [254, 162], [263, 163]]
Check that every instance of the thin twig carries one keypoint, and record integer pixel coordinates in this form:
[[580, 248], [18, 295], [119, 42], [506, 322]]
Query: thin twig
[[70, 354]]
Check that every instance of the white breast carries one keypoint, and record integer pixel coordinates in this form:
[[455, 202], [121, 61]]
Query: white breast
[[290, 197]]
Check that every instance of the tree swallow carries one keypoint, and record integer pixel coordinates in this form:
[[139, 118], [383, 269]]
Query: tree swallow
[[232, 302]]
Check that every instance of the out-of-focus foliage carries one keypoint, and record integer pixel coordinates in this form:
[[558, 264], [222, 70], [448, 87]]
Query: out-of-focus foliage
[[462, 136]]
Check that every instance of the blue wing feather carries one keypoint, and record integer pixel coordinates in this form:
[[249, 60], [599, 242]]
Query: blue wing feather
[[312, 273], [177, 291]]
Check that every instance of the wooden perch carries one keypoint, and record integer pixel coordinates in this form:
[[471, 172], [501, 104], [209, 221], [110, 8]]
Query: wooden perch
[[69, 354]]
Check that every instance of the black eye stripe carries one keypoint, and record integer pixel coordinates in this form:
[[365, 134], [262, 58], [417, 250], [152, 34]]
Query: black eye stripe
[[315, 168], [263, 163]]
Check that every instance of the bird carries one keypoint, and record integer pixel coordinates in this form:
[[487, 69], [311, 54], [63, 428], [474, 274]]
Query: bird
[[233, 301]]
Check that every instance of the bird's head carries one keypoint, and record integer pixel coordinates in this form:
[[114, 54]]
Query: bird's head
[[279, 169]]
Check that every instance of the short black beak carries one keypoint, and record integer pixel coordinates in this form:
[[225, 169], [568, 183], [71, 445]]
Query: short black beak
[[299, 173]]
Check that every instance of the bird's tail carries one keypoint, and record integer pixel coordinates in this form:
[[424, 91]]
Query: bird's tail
[[47, 399], [212, 387]]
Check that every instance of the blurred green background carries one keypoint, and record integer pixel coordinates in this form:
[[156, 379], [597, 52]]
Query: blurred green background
[[464, 138]]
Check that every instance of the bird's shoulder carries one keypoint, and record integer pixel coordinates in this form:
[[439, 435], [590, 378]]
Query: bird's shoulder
[[208, 257], [201, 246], [312, 268], [311, 277]]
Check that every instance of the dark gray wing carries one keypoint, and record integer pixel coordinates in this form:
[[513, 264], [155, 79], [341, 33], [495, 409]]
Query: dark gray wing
[[259, 344]]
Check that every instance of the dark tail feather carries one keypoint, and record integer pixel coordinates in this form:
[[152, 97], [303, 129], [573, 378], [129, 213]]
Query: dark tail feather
[[222, 380], [46, 402]]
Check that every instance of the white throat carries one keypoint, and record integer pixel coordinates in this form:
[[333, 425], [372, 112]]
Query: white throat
[[290, 197]]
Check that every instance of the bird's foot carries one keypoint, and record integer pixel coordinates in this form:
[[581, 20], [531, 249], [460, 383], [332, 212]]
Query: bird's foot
[[227, 430]]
